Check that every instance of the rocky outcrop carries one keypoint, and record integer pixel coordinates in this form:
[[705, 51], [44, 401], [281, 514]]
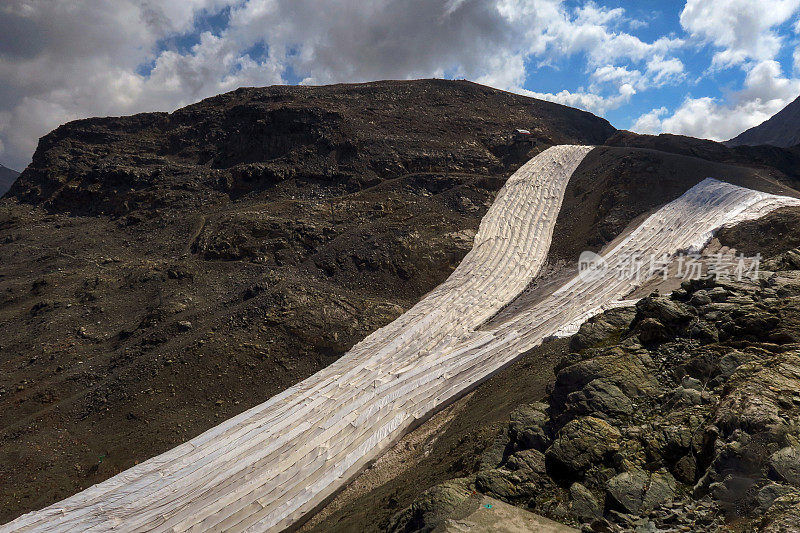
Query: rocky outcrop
[[682, 413]]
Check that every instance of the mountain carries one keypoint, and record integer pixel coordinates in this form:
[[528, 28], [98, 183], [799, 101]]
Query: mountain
[[7, 178], [164, 272], [783, 129]]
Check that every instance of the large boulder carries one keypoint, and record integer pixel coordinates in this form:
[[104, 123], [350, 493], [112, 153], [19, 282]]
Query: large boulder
[[510, 486], [431, 508], [527, 428], [600, 398], [598, 329], [627, 369], [762, 396], [785, 465], [668, 312], [583, 443], [638, 491]]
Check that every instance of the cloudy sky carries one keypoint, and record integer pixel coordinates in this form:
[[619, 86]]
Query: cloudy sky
[[707, 68]]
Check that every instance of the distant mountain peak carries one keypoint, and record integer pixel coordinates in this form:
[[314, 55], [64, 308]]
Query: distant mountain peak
[[783, 129], [7, 177]]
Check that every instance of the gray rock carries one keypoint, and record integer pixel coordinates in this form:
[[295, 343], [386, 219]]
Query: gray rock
[[771, 492], [700, 298], [600, 398], [582, 443], [639, 491], [686, 396], [627, 490], [666, 311], [583, 506], [493, 456], [509, 486], [599, 328], [531, 462], [730, 362], [527, 428], [685, 469], [431, 508], [650, 330], [785, 465]]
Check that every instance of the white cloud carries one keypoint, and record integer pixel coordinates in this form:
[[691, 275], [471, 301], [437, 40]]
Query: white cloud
[[650, 122], [588, 101], [743, 29], [766, 91], [65, 60], [664, 71]]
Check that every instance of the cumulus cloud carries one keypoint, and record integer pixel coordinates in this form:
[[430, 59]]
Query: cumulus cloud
[[65, 60], [589, 101], [745, 35], [766, 91], [743, 29], [650, 122]]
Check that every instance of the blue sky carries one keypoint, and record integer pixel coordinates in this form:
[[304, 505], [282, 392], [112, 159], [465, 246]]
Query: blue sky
[[707, 68]]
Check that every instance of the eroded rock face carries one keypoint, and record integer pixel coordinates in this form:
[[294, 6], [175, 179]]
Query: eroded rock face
[[252, 140]]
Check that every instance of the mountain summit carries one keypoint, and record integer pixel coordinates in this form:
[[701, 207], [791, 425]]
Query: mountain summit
[[783, 129]]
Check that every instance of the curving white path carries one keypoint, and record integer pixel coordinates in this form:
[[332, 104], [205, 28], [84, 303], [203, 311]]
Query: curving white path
[[266, 468]]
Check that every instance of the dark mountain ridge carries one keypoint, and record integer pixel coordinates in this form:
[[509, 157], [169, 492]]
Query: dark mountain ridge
[[343, 137], [782, 129]]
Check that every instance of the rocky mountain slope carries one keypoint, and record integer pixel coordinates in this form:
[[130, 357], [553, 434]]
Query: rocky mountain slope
[[7, 178], [163, 272], [783, 129]]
